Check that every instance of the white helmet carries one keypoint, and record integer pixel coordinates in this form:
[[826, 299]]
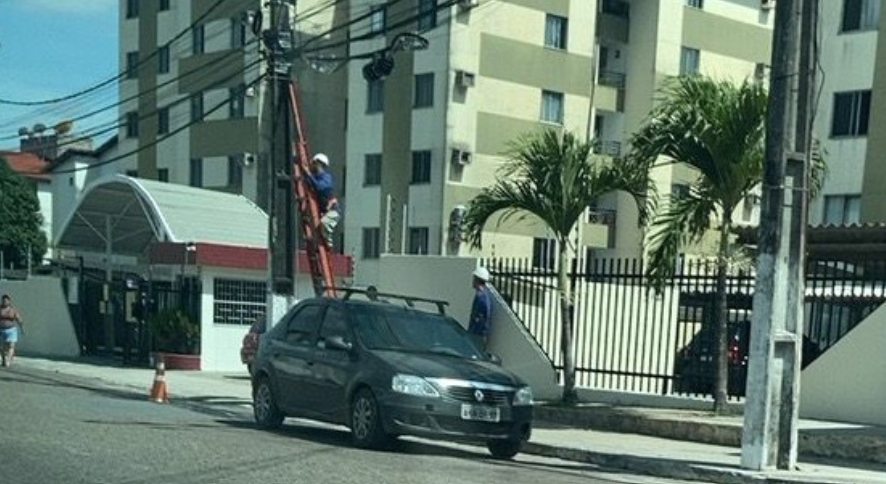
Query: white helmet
[[320, 157], [482, 274]]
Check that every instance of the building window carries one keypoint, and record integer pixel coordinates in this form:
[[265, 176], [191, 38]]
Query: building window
[[131, 65], [552, 107], [555, 32], [132, 124], [237, 301], [132, 8], [689, 59], [163, 60], [163, 121], [235, 171], [860, 15], [544, 253], [372, 170], [852, 111], [424, 90], [237, 105], [421, 167], [418, 240], [163, 174], [197, 107], [695, 3], [842, 209], [371, 242], [427, 10], [378, 19], [375, 99], [164, 5], [195, 178], [198, 40], [238, 32]]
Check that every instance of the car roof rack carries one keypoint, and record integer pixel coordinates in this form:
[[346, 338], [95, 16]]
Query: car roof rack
[[410, 301]]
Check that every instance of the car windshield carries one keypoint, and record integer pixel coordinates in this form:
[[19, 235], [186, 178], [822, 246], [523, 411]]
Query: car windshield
[[402, 329]]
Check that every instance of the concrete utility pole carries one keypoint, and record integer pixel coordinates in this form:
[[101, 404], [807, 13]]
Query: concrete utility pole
[[278, 40], [773, 390]]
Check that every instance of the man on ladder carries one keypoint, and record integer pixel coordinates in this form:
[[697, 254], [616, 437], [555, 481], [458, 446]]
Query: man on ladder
[[323, 185]]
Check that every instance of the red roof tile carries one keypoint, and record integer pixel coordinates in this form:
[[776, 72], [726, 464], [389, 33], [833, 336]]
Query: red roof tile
[[28, 165]]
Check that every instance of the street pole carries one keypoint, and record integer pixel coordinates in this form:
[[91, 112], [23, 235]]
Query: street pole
[[281, 221], [770, 433]]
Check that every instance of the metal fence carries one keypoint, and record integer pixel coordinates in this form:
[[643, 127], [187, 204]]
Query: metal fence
[[631, 338]]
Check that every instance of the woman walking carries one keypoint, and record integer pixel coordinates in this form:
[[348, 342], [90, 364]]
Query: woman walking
[[10, 324]]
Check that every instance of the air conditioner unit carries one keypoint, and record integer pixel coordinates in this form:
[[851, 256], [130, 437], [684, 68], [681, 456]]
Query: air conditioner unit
[[767, 4], [464, 79], [250, 91], [461, 157], [466, 4], [760, 71]]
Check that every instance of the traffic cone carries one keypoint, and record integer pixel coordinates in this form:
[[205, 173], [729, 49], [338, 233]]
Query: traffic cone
[[159, 393]]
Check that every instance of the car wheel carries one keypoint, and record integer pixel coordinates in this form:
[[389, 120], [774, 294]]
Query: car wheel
[[504, 448], [367, 429], [264, 407]]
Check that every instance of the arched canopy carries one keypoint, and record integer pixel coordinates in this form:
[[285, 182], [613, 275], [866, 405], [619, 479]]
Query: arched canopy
[[124, 215]]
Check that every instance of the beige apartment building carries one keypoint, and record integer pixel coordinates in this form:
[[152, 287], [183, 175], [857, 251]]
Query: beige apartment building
[[426, 139]]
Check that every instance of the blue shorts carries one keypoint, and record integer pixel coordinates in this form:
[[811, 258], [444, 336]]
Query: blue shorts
[[9, 335]]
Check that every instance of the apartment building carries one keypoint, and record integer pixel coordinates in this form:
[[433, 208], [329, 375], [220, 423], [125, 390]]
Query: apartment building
[[426, 139], [853, 74], [192, 94]]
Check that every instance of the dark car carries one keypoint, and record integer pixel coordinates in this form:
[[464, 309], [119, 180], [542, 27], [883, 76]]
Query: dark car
[[386, 369], [695, 368], [250, 343]]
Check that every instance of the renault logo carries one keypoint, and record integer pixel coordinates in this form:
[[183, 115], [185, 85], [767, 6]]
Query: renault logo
[[478, 395]]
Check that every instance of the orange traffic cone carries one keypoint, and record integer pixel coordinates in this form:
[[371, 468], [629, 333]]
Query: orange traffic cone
[[159, 393]]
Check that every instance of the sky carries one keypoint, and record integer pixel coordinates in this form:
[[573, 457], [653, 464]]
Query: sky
[[53, 48]]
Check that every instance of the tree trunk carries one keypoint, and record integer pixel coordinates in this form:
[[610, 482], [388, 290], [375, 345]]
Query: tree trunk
[[566, 326], [721, 320]]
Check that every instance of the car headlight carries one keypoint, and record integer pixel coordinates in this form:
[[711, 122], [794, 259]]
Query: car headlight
[[523, 397], [413, 385]]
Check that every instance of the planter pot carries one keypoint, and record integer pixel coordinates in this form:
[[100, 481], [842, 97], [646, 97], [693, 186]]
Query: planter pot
[[177, 361]]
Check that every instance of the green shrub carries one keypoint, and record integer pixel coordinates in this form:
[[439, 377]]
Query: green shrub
[[174, 332]]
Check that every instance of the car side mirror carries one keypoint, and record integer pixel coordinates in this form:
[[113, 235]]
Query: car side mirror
[[338, 343], [494, 358]]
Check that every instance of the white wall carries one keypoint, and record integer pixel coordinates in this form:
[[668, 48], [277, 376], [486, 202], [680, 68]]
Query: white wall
[[848, 382], [449, 279], [48, 328]]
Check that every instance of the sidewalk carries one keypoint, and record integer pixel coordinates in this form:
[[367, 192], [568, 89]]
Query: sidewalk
[[610, 447]]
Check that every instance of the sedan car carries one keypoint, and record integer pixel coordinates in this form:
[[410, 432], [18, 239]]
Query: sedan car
[[386, 369], [249, 346]]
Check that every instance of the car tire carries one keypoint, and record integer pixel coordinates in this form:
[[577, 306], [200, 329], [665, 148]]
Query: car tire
[[264, 407], [504, 448], [367, 429]]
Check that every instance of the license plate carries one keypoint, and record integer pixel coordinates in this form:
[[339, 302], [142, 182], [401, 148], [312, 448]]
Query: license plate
[[482, 413]]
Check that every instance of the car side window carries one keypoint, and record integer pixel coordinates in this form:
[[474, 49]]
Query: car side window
[[303, 325], [335, 324]]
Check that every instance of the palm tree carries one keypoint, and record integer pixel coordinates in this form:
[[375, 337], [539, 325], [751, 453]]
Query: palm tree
[[718, 128], [554, 177]]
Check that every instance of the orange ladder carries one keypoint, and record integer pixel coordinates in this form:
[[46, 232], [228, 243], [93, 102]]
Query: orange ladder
[[316, 247]]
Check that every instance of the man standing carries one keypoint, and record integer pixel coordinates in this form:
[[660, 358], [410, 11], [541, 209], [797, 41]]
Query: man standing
[[321, 181], [480, 323], [10, 322]]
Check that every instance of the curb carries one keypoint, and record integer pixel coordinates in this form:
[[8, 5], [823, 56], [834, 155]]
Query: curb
[[858, 448]]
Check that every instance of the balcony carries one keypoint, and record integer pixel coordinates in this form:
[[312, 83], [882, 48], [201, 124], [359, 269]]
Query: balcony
[[612, 79], [608, 148]]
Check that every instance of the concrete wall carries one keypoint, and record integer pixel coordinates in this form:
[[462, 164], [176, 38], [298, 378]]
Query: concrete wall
[[49, 330], [848, 383], [449, 279]]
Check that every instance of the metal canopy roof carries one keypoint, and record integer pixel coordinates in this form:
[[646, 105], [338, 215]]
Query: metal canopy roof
[[123, 215]]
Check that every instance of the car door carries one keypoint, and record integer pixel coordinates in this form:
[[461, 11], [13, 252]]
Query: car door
[[333, 367], [292, 354]]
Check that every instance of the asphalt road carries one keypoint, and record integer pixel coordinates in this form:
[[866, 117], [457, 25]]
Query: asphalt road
[[54, 428]]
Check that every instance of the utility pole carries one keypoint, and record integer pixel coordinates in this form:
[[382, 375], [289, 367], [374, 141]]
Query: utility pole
[[770, 433], [278, 41]]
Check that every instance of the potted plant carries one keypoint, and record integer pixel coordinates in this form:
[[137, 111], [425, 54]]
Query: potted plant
[[176, 339]]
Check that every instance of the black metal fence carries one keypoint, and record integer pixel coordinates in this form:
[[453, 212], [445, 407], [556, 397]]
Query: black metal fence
[[631, 338]]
